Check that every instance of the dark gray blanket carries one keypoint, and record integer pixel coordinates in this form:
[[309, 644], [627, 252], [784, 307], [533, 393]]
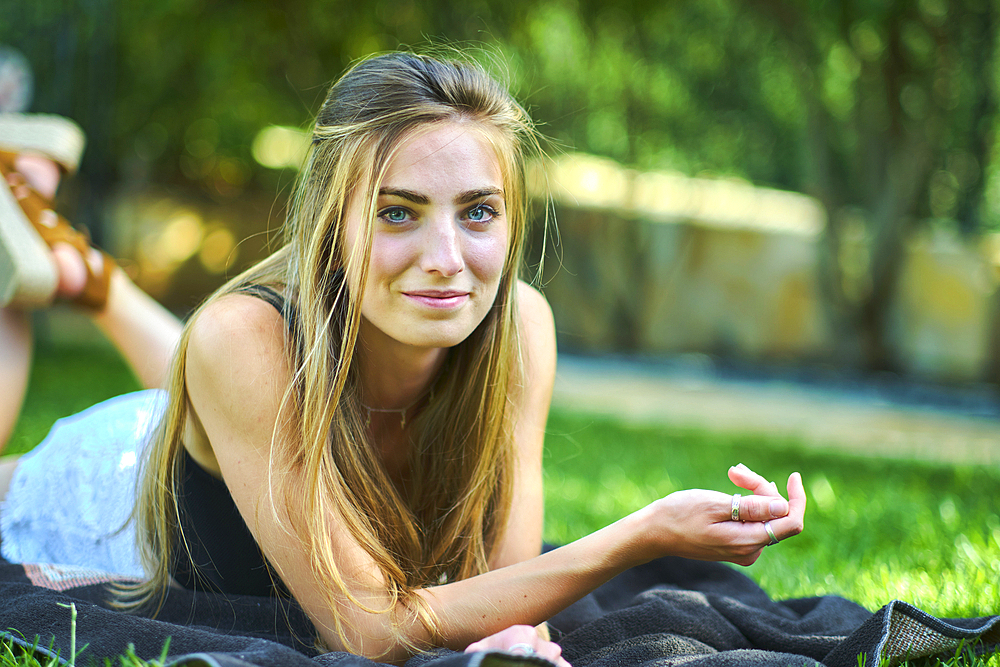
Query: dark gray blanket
[[669, 612]]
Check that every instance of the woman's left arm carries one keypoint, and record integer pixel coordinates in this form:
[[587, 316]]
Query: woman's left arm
[[522, 538]]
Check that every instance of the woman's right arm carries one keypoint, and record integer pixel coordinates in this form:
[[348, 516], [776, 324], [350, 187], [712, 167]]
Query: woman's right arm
[[237, 375]]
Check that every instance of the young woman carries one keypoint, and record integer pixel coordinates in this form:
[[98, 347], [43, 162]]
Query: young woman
[[358, 420]]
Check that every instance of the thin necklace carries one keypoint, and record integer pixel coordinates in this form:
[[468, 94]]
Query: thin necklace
[[402, 411]]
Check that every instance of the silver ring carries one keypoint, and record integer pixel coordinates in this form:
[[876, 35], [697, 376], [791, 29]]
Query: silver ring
[[522, 649], [735, 513], [770, 533]]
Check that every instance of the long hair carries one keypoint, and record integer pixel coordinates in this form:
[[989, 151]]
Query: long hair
[[447, 520]]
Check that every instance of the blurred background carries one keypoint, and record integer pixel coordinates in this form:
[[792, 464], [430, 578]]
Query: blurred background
[[772, 183]]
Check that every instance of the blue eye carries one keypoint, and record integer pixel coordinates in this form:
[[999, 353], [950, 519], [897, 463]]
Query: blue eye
[[394, 215], [481, 213]]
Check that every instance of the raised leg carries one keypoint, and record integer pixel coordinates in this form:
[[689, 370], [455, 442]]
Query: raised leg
[[144, 332]]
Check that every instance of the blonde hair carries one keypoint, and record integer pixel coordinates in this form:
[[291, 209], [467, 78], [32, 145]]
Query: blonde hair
[[446, 522]]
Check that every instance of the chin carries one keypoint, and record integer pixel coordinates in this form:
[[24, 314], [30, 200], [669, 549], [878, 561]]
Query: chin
[[438, 339]]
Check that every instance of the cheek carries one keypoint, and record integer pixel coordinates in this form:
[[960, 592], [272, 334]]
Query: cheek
[[391, 255], [486, 257]]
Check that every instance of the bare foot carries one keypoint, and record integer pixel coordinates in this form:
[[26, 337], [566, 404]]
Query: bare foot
[[72, 271], [41, 173]]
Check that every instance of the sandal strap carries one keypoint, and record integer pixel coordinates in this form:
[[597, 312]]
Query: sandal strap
[[54, 228]]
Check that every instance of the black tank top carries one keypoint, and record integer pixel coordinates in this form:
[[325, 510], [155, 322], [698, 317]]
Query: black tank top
[[224, 557]]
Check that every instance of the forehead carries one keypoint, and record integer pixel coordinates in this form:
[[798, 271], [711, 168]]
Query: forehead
[[445, 158]]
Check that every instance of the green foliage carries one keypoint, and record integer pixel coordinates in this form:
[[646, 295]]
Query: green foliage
[[15, 655], [72, 632]]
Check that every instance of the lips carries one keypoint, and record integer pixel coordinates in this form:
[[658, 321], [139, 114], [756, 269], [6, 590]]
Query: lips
[[443, 299]]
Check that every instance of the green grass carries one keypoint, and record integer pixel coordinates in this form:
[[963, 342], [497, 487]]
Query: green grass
[[876, 529], [34, 654]]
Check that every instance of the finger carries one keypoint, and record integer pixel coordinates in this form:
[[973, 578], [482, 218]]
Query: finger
[[762, 508], [549, 650], [484, 644], [791, 524], [747, 479]]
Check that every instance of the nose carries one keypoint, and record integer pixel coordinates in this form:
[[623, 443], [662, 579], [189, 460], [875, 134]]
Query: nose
[[442, 251]]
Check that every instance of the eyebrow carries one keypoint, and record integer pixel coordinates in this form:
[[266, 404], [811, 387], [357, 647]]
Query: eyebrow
[[463, 198]]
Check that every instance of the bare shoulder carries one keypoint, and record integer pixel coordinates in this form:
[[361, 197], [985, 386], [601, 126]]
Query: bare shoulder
[[538, 338], [237, 328], [536, 314], [236, 360]]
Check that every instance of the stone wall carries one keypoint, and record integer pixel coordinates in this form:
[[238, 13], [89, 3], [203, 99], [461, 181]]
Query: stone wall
[[660, 263], [640, 285], [947, 312]]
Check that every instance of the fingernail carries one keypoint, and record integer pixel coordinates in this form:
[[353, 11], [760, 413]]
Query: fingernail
[[740, 465], [779, 507]]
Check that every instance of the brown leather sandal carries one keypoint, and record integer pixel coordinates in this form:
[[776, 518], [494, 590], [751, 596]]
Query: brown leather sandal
[[28, 230]]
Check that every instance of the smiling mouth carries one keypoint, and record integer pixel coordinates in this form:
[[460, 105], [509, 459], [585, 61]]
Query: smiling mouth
[[439, 298]]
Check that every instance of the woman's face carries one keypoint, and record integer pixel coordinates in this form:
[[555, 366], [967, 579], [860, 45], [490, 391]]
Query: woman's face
[[440, 240]]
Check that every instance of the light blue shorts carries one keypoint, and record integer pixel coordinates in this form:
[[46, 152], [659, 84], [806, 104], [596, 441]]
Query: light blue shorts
[[71, 498]]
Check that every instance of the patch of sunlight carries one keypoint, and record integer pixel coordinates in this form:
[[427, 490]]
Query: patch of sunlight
[[218, 250], [948, 512], [668, 197], [822, 493], [176, 242], [277, 147], [589, 181]]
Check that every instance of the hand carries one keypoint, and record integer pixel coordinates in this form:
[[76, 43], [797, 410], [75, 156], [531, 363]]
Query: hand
[[698, 524], [523, 635]]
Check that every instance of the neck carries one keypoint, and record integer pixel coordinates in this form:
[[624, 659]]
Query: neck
[[394, 376]]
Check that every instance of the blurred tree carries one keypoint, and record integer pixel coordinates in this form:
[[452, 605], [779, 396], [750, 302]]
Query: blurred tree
[[883, 109], [900, 107], [680, 85]]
